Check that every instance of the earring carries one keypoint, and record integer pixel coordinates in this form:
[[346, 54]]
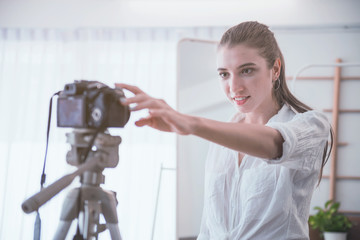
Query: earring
[[276, 84]]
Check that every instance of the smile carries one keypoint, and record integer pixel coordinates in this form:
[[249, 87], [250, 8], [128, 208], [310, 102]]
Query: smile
[[240, 100]]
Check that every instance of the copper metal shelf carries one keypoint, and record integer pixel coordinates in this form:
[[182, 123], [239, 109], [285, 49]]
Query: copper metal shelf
[[322, 78], [343, 110], [344, 177]]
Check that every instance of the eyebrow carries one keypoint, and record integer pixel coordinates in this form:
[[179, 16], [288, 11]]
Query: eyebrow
[[241, 66]]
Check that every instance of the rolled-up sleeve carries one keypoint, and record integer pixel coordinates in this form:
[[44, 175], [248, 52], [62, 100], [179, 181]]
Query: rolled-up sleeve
[[304, 137]]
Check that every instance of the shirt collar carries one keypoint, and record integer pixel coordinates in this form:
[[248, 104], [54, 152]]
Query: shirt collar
[[283, 114]]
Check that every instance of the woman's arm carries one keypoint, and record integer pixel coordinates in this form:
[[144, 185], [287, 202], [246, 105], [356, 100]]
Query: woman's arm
[[253, 139]]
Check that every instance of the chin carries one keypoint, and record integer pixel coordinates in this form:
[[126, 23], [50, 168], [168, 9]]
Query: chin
[[241, 109]]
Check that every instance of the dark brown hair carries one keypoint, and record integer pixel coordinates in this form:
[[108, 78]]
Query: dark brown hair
[[259, 36]]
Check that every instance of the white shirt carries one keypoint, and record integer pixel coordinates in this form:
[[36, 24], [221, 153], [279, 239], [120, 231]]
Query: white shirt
[[265, 199]]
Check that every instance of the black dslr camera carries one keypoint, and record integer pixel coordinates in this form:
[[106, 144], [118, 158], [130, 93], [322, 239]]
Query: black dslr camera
[[91, 104]]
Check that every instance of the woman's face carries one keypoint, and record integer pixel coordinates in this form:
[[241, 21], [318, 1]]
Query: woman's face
[[246, 79]]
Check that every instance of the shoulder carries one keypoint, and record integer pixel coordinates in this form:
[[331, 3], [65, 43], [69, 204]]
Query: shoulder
[[312, 122], [313, 119], [288, 114], [305, 135]]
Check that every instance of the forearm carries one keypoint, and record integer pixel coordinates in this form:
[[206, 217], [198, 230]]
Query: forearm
[[253, 139]]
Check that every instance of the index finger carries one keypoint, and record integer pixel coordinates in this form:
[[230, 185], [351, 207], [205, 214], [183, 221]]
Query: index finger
[[131, 88]]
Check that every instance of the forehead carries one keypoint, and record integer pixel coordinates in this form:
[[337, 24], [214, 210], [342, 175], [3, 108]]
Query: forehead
[[228, 57]]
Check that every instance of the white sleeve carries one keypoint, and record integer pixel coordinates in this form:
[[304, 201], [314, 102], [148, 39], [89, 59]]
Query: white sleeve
[[304, 137]]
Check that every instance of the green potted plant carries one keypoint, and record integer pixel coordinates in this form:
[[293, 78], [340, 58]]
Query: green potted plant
[[332, 224]]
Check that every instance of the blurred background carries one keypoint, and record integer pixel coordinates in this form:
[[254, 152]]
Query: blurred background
[[167, 48]]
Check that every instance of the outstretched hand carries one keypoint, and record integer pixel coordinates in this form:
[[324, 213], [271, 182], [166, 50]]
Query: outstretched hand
[[161, 115]]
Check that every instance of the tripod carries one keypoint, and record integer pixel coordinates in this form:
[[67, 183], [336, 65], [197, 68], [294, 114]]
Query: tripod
[[89, 198]]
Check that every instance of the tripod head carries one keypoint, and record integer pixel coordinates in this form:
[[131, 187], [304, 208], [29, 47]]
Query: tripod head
[[105, 147], [103, 154]]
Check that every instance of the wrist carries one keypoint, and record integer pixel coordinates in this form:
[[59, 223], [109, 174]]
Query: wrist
[[195, 124]]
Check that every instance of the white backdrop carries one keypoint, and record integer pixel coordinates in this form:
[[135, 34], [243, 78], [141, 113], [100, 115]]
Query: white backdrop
[[34, 64]]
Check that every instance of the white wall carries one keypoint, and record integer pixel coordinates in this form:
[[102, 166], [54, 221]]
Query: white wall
[[165, 13]]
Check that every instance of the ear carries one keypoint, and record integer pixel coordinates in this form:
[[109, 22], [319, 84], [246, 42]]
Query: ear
[[276, 69]]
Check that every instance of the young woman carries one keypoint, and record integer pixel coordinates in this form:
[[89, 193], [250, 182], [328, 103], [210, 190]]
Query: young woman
[[263, 166]]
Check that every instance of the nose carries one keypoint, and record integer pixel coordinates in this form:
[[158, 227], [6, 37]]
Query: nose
[[236, 84]]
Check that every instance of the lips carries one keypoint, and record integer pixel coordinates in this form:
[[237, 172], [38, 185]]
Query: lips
[[240, 100]]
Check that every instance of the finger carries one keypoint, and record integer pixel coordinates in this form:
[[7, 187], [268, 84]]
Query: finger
[[136, 99], [139, 106], [133, 100], [131, 88], [149, 103], [157, 113], [142, 122]]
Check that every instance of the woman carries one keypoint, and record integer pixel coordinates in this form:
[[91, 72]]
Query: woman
[[263, 166]]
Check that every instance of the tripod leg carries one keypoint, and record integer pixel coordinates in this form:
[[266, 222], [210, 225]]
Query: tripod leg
[[92, 210], [69, 212], [114, 231], [62, 230], [108, 204]]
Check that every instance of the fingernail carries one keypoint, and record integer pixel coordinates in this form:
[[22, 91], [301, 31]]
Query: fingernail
[[123, 100], [132, 106]]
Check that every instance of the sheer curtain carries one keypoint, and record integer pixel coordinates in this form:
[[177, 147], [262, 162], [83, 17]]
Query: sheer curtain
[[34, 64]]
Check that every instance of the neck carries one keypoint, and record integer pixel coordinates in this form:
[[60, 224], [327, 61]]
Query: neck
[[262, 114]]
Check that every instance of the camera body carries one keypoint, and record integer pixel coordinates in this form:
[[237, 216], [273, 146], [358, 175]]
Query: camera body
[[91, 104]]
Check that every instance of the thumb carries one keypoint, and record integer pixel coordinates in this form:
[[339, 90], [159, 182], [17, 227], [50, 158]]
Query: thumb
[[143, 121]]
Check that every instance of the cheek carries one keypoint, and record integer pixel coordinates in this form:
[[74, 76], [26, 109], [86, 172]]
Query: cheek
[[225, 86], [265, 84], [261, 88]]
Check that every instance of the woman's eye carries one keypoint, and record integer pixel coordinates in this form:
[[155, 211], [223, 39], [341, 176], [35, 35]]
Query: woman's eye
[[247, 71], [223, 74]]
